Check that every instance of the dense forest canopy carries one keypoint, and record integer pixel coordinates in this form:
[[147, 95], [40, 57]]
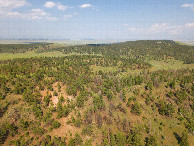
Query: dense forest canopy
[[109, 94]]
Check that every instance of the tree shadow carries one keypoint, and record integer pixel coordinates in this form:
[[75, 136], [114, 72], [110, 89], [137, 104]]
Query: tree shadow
[[177, 137]]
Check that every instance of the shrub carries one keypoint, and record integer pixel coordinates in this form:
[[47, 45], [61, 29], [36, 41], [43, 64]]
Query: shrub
[[98, 103], [80, 101], [87, 130], [152, 141], [165, 108], [55, 93], [184, 139], [136, 109], [24, 124], [56, 124]]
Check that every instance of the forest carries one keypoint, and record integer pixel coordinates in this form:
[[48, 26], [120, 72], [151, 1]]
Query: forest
[[129, 93]]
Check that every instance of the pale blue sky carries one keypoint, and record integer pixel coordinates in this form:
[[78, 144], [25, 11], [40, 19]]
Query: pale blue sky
[[97, 19]]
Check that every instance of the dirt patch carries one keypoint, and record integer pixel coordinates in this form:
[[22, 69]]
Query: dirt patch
[[55, 100], [65, 130]]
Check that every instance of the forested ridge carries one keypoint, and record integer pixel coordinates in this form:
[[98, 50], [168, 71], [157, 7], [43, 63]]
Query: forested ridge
[[143, 49], [109, 94]]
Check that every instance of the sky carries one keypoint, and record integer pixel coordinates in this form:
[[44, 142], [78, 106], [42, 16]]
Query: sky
[[97, 19]]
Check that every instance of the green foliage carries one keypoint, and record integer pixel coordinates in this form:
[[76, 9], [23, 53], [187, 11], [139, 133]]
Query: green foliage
[[20, 48], [136, 109], [59, 87], [77, 140], [66, 111], [152, 141], [61, 99], [165, 109], [149, 99], [184, 139], [7, 129], [123, 95], [59, 141], [37, 110], [88, 142], [38, 130], [3, 134], [3, 108], [71, 90], [47, 99], [63, 111], [112, 140], [130, 99], [180, 96], [55, 93], [121, 108], [24, 124], [149, 86], [136, 139], [39, 75], [172, 84], [120, 139], [56, 124], [80, 101], [87, 130], [76, 122], [98, 103]]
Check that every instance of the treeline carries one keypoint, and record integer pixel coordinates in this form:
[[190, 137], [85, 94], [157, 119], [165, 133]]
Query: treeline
[[21, 48], [145, 49]]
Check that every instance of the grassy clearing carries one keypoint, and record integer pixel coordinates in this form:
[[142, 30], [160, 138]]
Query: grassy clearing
[[7, 56], [168, 64], [156, 65]]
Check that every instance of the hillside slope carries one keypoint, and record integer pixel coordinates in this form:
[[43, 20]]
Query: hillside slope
[[118, 95]]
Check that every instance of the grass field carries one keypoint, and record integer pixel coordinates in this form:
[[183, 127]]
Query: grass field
[[156, 65], [168, 64], [7, 56]]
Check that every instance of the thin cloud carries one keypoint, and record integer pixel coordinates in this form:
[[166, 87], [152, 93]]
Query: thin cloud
[[66, 17], [14, 14], [11, 4], [85, 6], [190, 25], [62, 7], [34, 14], [191, 6], [158, 28], [51, 18], [39, 12], [164, 28], [53, 4], [6, 7], [50, 4]]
